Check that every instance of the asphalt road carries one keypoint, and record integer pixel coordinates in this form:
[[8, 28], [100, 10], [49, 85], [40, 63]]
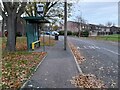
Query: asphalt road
[[101, 59]]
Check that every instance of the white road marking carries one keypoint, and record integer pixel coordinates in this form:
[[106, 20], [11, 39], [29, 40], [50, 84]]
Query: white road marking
[[91, 47], [78, 47], [111, 51], [97, 47], [85, 47], [92, 44]]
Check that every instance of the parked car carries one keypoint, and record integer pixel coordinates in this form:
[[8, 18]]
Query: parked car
[[55, 33], [48, 33]]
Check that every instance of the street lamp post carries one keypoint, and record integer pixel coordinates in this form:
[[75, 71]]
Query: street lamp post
[[119, 14], [40, 11], [65, 25]]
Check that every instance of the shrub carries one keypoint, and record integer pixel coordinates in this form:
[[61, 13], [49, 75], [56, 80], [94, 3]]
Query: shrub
[[61, 32], [69, 33], [84, 34], [75, 34]]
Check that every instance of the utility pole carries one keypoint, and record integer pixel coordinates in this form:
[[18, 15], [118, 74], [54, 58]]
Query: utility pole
[[65, 25], [119, 14]]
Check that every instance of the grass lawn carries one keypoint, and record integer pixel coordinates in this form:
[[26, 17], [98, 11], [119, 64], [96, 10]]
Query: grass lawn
[[114, 37], [18, 66], [47, 41]]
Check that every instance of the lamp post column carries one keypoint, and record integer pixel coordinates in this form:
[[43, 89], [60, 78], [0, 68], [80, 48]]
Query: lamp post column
[[65, 25]]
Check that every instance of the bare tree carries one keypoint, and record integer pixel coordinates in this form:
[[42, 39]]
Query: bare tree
[[11, 11], [109, 24], [113, 24], [53, 11], [79, 21]]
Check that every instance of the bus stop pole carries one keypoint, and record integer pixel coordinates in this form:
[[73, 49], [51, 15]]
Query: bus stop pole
[[43, 41], [49, 34]]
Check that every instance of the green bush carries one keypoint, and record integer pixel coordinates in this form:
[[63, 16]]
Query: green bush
[[62, 33], [75, 33], [84, 34], [69, 33]]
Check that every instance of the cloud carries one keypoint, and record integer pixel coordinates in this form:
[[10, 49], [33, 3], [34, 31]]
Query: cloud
[[98, 12], [98, 0]]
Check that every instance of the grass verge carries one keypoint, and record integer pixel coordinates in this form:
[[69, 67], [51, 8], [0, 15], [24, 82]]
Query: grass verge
[[18, 66], [115, 38], [47, 41]]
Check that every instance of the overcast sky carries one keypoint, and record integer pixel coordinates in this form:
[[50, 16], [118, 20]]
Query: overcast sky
[[96, 12]]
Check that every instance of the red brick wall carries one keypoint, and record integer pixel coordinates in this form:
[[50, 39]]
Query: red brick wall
[[71, 26]]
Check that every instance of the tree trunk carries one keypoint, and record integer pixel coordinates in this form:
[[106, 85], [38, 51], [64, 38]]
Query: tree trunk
[[79, 33], [11, 26], [78, 27], [3, 25]]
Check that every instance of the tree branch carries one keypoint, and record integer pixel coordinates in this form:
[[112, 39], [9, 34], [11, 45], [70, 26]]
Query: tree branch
[[2, 13], [48, 8], [27, 12], [7, 6], [22, 9], [15, 6]]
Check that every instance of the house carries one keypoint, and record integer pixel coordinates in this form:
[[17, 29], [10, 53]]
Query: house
[[93, 29], [115, 30], [99, 30], [73, 26]]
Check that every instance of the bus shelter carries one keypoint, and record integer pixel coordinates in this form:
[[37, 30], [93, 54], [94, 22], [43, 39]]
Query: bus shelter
[[32, 30]]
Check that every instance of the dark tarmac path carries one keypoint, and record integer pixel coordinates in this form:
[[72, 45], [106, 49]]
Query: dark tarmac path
[[56, 70]]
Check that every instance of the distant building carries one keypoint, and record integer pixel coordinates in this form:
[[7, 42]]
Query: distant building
[[73, 26], [93, 29]]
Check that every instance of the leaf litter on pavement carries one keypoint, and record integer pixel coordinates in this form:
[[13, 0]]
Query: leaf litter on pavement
[[76, 53], [85, 80]]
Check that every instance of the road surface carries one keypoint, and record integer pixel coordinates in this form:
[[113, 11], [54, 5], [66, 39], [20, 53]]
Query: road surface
[[101, 59]]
